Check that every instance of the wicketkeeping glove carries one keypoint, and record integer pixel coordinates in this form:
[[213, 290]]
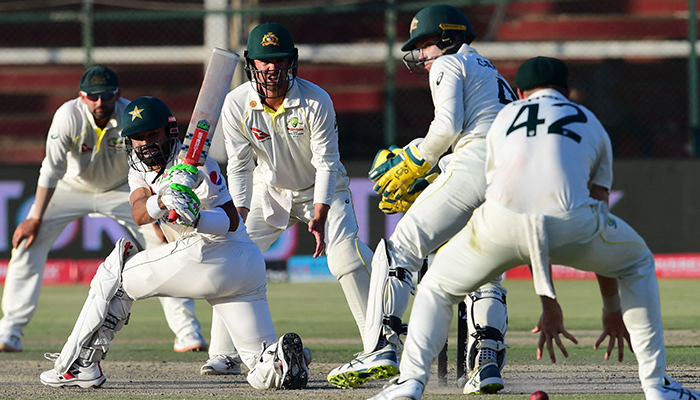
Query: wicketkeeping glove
[[391, 206], [182, 174], [184, 201], [396, 175]]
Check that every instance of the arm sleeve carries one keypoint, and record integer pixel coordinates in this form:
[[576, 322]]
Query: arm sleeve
[[602, 172], [136, 181], [213, 191], [241, 162], [62, 132], [446, 88], [324, 147]]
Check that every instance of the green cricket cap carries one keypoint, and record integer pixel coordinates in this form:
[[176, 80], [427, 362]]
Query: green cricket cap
[[99, 79], [542, 71], [270, 40]]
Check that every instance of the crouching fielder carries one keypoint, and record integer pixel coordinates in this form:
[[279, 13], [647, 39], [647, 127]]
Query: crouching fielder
[[209, 256]]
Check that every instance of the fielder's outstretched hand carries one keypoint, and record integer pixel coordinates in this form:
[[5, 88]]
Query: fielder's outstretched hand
[[614, 326], [317, 227], [550, 326]]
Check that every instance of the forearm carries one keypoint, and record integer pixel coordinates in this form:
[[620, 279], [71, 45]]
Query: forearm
[[140, 207], [41, 201], [609, 292], [321, 212]]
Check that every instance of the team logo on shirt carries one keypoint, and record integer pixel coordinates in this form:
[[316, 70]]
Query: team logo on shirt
[[115, 143], [260, 135], [270, 39], [295, 127]]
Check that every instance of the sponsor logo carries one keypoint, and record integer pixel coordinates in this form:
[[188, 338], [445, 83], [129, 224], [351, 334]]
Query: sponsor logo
[[253, 104], [270, 39], [54, 136], [215, 178], [485, 63], [439, 78], [115, 143], [85, 148], [260, 135]]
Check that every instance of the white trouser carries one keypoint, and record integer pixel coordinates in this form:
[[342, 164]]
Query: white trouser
[[26, 268], [495, 241], [229, 274], [439, 213], [348, 258]]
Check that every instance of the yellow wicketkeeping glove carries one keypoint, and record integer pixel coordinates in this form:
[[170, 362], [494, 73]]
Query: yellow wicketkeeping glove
[[391, 206], [395, 176]]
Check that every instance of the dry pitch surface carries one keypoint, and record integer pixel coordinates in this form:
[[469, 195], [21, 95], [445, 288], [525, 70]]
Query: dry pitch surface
[[19, 379]]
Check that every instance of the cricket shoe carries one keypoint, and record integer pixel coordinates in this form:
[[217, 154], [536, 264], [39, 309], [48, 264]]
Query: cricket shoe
[[190, 342], [408, 390], [77, 375], [486, 378], [379, 364], [10, 343], [671, 390], [291, 355], [222, 364]]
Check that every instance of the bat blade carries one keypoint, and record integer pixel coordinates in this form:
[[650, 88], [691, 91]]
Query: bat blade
[[205, 116]]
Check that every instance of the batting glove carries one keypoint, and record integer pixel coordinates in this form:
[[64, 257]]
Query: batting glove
[[397, 174], [392, 206], [184, 202], [182, 174]]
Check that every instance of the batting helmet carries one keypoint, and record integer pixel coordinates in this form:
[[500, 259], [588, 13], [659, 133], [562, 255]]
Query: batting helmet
[[271, 41], [147, 114], [439, 19]]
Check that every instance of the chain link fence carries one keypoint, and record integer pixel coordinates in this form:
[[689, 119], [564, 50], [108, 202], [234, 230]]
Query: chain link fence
[[628, 60]]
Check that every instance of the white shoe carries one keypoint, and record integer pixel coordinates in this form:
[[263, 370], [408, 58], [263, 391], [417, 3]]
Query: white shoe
[[84, 377], [222, 364], [190, 342], [291, 355], [672, 390], [380, 364], [10, 343], [486, 378], [408, 390]]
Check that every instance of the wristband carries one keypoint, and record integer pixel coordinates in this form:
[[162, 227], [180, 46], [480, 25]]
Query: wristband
[[611, 303], [213, 222], [153, 208]]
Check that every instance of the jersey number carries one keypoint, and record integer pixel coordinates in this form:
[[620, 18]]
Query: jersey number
[[503, 88], [557, 127]]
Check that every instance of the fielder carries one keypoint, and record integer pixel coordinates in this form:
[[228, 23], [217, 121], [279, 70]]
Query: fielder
[[85, 171], [287, 126], [467, 92], [208, 256], [548, 171]]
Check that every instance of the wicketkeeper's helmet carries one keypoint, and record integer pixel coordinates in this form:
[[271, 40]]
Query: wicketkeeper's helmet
[[147, 114], [271, 41], [439, 19]]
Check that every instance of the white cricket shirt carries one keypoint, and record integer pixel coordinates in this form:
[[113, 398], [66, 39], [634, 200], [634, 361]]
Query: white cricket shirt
[[212, 192], [81, 154], [295, 147], [544, 152], [467, 93]]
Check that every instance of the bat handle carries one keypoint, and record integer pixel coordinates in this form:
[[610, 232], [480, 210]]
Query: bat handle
[[172, 216]]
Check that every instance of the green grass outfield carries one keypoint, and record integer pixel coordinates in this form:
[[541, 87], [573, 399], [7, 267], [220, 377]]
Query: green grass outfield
[[318, 312]]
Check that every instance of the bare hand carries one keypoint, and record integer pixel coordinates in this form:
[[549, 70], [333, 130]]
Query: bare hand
[[28, 229], [318, 229], [614, 326], [550, 326]]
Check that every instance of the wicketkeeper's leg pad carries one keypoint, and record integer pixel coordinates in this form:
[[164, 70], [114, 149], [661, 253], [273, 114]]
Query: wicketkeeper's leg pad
[[106, 311], [389, 292], [487, 322]]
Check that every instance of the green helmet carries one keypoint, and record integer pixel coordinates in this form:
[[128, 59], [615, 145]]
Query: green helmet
[[143, 115], [439, 19], [271, 41]]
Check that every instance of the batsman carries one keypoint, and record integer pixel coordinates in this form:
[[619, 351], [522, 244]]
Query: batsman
[[209, 256]]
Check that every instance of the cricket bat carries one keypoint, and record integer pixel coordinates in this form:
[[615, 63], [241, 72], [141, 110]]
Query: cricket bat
[[217, 82]]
